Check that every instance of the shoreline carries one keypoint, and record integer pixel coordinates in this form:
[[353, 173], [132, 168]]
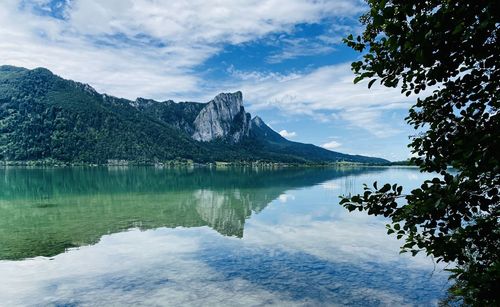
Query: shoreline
[[190, 163]]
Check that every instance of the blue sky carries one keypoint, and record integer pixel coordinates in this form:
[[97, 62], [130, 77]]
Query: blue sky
[[286, 56]]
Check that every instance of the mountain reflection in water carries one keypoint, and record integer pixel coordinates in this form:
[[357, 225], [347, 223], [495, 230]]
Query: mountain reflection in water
[[43, 212], [191, 237]]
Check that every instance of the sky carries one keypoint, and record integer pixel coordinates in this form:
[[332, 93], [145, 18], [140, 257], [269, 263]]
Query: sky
[[286, 56]]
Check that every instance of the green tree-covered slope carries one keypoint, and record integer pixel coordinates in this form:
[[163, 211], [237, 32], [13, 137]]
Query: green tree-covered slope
[[43, 116]]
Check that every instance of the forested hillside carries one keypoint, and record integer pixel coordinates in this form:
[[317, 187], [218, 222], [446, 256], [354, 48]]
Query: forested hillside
[[45, 117]]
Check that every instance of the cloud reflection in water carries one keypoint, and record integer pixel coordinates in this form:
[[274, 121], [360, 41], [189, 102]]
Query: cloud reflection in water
[[305, 251]]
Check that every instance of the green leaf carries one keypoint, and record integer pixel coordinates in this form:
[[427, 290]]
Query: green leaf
[[459, 28], [385, 188], [358, 79]]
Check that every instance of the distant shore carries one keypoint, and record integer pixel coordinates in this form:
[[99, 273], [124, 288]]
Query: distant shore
[[190, 163]]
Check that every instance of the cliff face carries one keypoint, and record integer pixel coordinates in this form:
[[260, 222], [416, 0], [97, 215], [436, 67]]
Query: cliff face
[[222, 118]]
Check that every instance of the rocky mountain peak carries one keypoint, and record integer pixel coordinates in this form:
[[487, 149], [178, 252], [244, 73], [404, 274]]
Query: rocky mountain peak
[[224, 117], [233, 102], [257, 121]]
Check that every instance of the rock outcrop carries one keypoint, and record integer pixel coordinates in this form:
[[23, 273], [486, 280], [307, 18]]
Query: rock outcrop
[[222, 118]]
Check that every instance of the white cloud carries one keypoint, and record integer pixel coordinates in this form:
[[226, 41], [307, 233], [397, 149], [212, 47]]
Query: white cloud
[[326, 93], [153, 49], [283, 198], [299, 47], [331, 145], [287, 134], [201, 21], [153, 267], [146, 48], [331, 185]]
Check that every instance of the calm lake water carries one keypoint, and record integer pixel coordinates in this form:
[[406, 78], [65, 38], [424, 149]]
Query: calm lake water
[[146, 236]]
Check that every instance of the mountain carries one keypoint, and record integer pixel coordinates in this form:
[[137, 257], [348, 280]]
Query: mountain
[[45, 117], [273, 142]]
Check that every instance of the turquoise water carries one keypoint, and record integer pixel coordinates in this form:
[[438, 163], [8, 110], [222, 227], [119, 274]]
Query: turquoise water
[[233, 237]]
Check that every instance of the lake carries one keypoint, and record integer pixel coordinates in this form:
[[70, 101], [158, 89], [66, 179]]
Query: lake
[[200, 236]]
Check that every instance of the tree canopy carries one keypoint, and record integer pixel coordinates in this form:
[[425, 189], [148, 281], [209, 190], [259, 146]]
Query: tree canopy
[[447, 54]]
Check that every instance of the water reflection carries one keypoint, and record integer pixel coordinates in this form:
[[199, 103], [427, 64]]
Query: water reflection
[[43, 212], [301, 249]]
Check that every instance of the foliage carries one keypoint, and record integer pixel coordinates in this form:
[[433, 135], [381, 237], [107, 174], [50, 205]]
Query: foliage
[[448, 51]]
